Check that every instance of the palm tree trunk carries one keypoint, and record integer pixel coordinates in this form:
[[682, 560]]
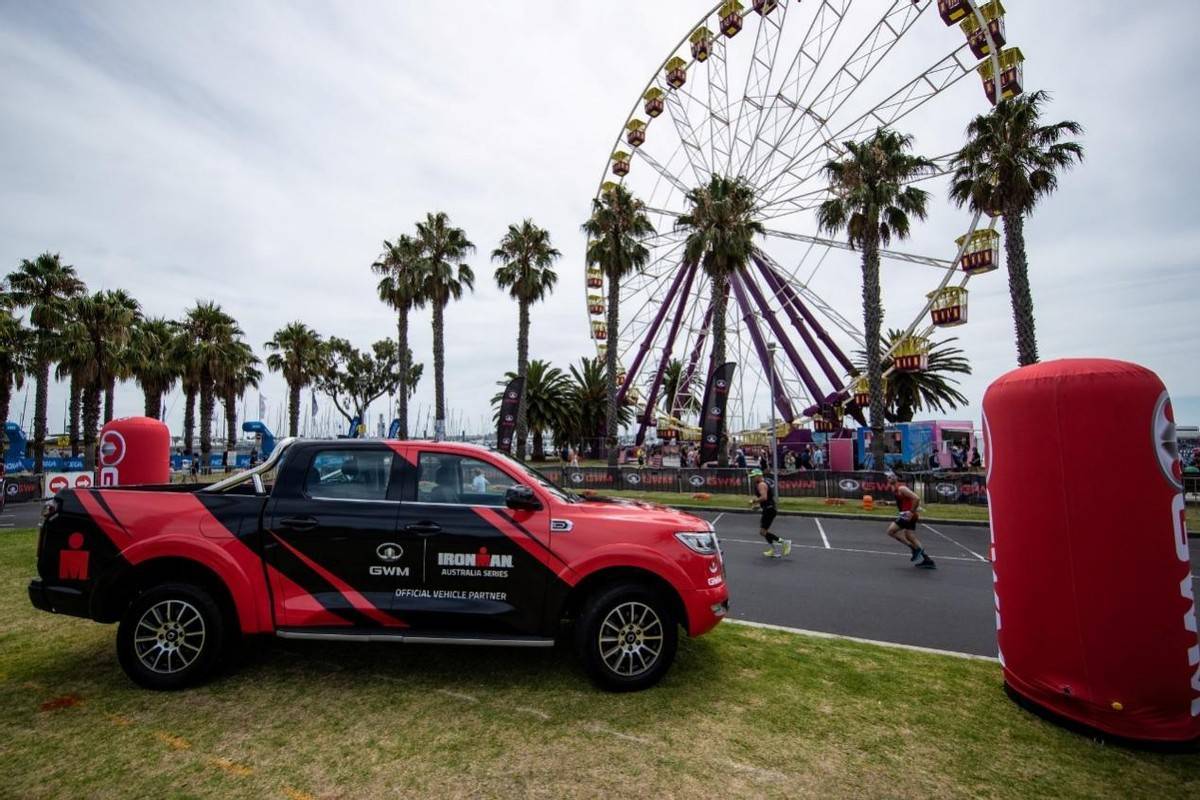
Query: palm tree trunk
[[610, 358], [110, 390], [293, 409], [522, 368], [1018, 289], [872, 324], [230, 420], [39, 414], [206, 420], [720, 300], [189, 418], [151, 402], [74, 398], [439, 365], [539, 445], [402, 386], [91, 423]]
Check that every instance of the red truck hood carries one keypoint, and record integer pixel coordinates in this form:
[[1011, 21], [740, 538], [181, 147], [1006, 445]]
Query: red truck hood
[[639, 511]]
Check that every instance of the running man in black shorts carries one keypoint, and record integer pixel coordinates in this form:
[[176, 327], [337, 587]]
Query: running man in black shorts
[[904, 528], [764, 498]]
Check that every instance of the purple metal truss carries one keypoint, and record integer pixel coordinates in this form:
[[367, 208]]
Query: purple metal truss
[[787, 297], [651, 335], [791, 304], [810, 382], [793, 299], [685, 384], [652, 397], [781, 400]]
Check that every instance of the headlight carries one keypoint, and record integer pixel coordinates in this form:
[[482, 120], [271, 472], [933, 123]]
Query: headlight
[[704, 542], [51, 509]]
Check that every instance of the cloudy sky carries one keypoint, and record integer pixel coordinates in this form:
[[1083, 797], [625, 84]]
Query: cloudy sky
[[257, 154]]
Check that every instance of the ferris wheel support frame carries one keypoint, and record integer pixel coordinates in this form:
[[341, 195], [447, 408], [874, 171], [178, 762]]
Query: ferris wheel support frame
[[652, 396]]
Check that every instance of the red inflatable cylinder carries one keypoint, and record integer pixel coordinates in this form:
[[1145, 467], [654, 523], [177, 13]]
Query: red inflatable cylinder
[[1095, 612], [134, 450]]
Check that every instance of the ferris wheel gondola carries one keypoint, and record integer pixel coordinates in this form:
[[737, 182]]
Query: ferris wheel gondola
[[771, 92]]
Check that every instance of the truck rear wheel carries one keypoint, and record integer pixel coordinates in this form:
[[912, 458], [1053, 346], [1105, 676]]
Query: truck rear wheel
[[171, 637], [626, 637]]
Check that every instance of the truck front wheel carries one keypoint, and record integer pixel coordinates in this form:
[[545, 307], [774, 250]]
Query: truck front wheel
[[170, 637], [626, 637]]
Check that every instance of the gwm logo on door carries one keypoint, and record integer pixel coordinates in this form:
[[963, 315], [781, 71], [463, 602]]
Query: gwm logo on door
[[389, 552]]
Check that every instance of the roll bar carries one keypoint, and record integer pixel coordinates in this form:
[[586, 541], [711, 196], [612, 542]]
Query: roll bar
[[254, 473]]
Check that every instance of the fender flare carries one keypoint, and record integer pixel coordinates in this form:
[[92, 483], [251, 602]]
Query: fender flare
[[244, 581]]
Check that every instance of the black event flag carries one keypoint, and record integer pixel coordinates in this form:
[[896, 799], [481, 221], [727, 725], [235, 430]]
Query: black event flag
[[508, 414], [716, 403]]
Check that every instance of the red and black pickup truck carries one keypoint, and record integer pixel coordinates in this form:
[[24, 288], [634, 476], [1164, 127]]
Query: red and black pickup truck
[[369, 540]]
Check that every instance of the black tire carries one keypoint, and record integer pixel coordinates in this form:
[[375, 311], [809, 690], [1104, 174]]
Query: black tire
[[171, 637], [636, 616]]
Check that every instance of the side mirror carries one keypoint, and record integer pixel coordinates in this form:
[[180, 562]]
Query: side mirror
[[522, 498]]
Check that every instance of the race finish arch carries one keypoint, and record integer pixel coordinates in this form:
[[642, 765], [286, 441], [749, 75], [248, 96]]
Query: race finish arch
[[771, 91]]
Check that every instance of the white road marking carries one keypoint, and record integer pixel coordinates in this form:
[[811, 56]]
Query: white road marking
[[854, 550], [896, 645], [821, 529], [459, 695], [948, 539], [717, 519], [7, 525]]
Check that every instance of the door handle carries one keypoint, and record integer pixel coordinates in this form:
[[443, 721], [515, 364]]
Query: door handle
[[423, 528], [298, 523]]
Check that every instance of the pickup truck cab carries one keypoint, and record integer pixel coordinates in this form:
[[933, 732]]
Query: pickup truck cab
[[369, 540]]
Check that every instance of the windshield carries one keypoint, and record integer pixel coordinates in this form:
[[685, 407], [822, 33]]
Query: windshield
[[540, 479]]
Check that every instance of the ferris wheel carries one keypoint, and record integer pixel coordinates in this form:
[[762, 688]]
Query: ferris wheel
[[771, 93]]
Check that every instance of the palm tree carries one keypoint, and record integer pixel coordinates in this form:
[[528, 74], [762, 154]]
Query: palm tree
[[931, 389], [14, 356], [298, 352], [400, 287], [675, 395], [443, 279], [589, 397], [527, 260], [211, 335], [872, 201], [615, 231], [241, 372], [93, 341], [69, 355], [44, 286], [548, 401], [720, 230], [120, 367], [1009, 163], [152, 365]]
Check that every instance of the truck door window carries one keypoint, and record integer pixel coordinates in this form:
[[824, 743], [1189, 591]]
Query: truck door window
[[349, 475], [460, 480]]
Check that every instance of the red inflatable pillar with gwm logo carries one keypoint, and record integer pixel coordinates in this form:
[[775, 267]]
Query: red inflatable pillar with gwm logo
[[133, 451], [1095, 612]]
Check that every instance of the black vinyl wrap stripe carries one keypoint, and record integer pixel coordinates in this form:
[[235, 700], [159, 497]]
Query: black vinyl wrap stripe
[[99, 498], [530, 535]]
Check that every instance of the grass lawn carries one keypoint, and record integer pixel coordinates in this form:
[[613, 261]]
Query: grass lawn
[[745, 712]]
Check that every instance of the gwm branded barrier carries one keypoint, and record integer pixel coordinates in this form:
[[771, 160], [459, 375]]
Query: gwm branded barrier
[[934, 487]]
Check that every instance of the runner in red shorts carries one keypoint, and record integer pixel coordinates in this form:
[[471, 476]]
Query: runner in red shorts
[[904, 528]]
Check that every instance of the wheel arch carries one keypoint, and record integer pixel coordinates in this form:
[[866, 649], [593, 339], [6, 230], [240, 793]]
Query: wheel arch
[[601, 579], [120, 589]]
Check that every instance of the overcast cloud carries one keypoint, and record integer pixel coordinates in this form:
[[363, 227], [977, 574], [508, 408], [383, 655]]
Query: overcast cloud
[[257, 154]]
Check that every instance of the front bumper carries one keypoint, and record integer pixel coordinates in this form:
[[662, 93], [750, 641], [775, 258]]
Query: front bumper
[[57, 599], [705, 608]]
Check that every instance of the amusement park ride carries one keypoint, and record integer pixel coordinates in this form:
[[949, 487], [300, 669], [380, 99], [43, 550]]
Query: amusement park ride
[[805, 91]]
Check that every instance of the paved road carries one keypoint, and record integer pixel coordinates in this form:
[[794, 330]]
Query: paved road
[[847, 577], [21, 515]]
